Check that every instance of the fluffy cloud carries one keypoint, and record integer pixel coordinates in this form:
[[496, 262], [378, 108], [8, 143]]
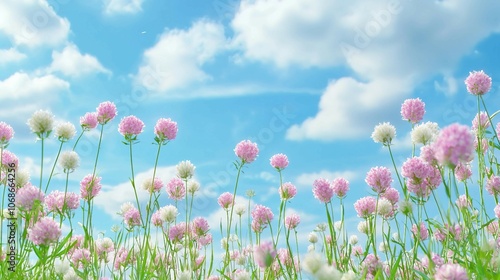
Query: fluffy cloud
[[307, 179], [390, 47], [122, 6], [32, 23], [71, 62], [11, 55], [176, 60], [23, 86]]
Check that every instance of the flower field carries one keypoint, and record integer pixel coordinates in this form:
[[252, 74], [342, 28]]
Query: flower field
[[435, 216]]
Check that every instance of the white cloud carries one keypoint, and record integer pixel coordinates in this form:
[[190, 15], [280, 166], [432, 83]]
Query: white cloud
[[176, 60], [71, 62], [389, 47], [123, 6], [111, 198], [307, 179], [11, 55], [22, 86], [32, 23]]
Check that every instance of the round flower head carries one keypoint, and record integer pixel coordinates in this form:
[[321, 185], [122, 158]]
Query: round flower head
[[177, 232], [454, 144], [90, 187], [27, 196], [192, 187], [152, 185], [247, 151], [478, 83], [130, 127], [226, 200], [9, 158], [497, 211], [480, 123], [65, 131], [6, 133], [463, 171], [340, 187], [413, 110], [44, 232], [58, 201], [199, 227], [262, 214], [41, 123], [322, 190], [462, 202], [168, 213], [424, 133], [165, 130], [176, 189], [420, 232], [292, 221], [264, 254], [385, 208], [451, 271], [185, 169], [106, 111], [379, 179], [132, 217], [384, 133], [69, 161], [279, 161], [365, 206], [88, 121], [287, 191]]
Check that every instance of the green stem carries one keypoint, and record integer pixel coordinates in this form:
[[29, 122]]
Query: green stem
[[53, 167]]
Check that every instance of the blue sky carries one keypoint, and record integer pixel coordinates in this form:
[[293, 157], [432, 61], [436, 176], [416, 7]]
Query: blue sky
[[306, 78]]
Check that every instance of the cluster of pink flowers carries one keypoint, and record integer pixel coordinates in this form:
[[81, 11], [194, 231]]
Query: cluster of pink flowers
[[247, 151], [177, 232], [365, 207], [279, 161], [9, 158], [287, 191], [420, 232], [152, 186], [480, 122], [292, 221], [165, 130], [27, 196], [58, 201], [45, 231], [264, 254], [226, 200], [463, 171], [451, 271], [6, 133], [90, 186], [413, 110], [454, 144], [478, 83], [379, 179], [130, 127], [493, 185], [176, 189], [106, 111], [88, 121], [262, 216], [421, 177], [340, 187], [322, 190], [132, 217], [199, 227]]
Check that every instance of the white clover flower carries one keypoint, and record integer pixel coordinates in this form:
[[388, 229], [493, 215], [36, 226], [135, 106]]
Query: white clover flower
[[61, 266], [353, 239], [313, 262], [126, 207], [41, 123], [233, 238], [327, 272], [22, 178], [321, 227], [349, 275], [310, 248], [168, 213], [240, 209], [383, 247], [69, 161], [241, 260], [185, 169], [65, 131], [384, 133], [395, 236], [71, 275], [384, 207], [313, 238], [363, 227], [185, 275], [192, 187], [425, 133], [338, 225], [242, 275], [223, 243]]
